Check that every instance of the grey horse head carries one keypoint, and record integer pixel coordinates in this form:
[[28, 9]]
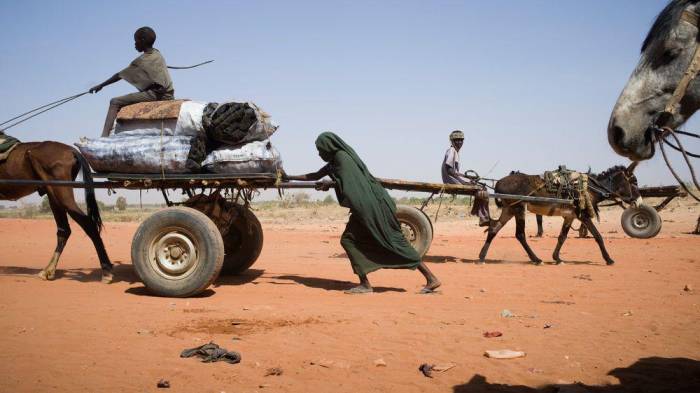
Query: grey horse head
[[666, 53]]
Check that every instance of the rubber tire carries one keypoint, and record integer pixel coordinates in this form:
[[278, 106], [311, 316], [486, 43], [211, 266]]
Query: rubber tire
[[243, 243], [641, 232], [203, 232], [421, 226]]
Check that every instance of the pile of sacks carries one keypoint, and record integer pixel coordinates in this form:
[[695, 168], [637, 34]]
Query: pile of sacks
[[185, 137]]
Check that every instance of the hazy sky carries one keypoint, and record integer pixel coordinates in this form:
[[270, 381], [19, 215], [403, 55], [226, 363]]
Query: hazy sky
[[532, 83]]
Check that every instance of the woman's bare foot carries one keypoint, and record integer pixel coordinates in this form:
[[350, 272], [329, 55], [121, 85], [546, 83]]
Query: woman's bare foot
[[431, 286]]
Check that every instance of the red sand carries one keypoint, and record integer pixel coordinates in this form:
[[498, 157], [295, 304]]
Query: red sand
[[76, 334]]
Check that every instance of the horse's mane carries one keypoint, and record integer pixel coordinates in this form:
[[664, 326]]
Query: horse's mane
[[665, 21], [610, 171]]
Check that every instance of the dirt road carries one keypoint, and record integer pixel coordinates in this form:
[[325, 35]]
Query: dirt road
[[578, 322]]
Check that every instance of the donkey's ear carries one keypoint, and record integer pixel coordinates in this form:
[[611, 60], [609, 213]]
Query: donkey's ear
[[630, 169]]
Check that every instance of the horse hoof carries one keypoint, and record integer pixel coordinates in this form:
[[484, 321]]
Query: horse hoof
[[610, 262], [107, 277], [46, 276], [536, 262]]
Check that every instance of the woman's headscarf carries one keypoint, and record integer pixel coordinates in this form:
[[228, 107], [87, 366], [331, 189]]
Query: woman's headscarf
[[328, 144]]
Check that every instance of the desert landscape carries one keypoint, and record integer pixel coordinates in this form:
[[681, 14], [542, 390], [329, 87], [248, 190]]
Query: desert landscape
[[584, 326]]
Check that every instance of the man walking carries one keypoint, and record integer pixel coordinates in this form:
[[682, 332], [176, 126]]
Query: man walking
[[451, 175], [148, 73]]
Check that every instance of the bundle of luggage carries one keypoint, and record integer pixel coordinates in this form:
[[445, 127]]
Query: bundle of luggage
[[186, 136]]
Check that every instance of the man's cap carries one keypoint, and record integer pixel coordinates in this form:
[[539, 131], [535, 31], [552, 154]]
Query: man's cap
[[456, 134]]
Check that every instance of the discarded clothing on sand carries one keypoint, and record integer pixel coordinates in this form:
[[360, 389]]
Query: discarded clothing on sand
[[212, 353]]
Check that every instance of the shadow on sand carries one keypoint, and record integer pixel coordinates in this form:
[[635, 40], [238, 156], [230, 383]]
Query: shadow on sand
[[122, 273], [246, 277], [647, 375], [328, 284]]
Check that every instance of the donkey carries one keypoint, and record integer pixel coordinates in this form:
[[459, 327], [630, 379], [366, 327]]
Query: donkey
[[56, 161], [655, 95], [616, 182]]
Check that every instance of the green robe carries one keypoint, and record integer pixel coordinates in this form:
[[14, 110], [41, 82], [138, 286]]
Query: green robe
[[372, 239]]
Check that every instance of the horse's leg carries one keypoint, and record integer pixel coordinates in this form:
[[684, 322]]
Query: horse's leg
[[540, 229], [583, 232], [493, 229], [93, 233], [562, 238], [520, 234], [63, 197], [62, 235], [599, 239]]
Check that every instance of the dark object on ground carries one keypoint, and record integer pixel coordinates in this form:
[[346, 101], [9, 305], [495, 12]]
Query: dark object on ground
[[492, 334], [276, 371], [163, 384], [426, 369], [212, 353]]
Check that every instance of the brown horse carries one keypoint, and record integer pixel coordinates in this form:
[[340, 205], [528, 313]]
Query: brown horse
[[56, 161], [617, 182]]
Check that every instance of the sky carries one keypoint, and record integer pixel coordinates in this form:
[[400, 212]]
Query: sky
[[531, 83]]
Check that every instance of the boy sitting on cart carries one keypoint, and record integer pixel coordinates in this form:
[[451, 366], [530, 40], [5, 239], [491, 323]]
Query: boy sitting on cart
[[148, 73]]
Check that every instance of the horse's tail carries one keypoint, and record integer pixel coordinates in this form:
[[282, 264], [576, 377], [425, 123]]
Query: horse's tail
[[93, 210]]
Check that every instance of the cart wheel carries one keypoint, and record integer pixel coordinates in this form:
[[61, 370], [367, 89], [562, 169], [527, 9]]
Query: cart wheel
[[641, 222], [242, 243], [416, 227], [177, 252]]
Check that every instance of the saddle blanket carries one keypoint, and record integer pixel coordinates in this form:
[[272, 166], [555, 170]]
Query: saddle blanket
[[7, 143]]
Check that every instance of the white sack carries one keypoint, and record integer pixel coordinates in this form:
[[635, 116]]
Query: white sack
[[137, 154], [188, 123], [254, 157]]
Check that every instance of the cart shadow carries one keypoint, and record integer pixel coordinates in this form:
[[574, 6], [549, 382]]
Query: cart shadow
[[246, 277], [122, 273], [653, 374], [328, 284], [143, 291]]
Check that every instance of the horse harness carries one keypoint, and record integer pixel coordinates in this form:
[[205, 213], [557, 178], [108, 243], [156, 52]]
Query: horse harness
[[661, 131]]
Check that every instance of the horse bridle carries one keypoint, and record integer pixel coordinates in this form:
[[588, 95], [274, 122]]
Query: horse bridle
[[606, 192], [661, 131]]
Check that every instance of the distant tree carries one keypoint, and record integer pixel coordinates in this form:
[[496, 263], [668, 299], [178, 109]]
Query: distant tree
[[45, 205], [328, 200], [121, 203]]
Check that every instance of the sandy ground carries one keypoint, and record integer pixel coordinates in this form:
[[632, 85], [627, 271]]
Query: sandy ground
[[584, 326]]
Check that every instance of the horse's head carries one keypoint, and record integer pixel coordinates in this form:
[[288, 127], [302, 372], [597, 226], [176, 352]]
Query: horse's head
[[621, 182], [666, 54]]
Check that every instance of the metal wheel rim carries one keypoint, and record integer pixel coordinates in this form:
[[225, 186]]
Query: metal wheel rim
[[409, 232], [174, 253], [640, 221]]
